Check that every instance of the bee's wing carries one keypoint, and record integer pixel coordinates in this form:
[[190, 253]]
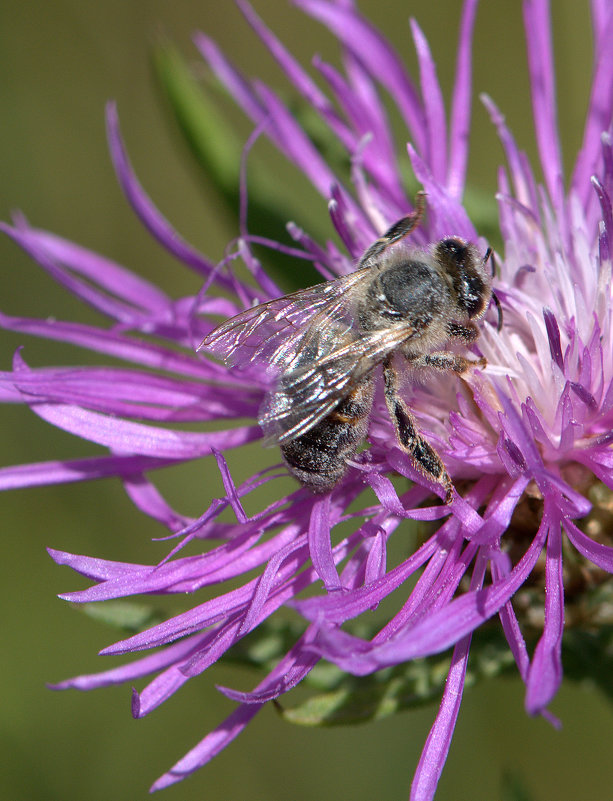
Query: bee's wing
[[272, 332], [306, 395]]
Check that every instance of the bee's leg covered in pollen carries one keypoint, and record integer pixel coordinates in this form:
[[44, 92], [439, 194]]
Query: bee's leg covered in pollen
[[422, 454], [443, 361]]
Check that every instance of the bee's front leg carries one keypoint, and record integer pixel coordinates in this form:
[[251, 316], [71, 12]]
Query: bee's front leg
[[445, 360], [422, 454]]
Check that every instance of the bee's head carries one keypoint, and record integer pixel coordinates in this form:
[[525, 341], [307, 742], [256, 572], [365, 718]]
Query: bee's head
[[471, 283]]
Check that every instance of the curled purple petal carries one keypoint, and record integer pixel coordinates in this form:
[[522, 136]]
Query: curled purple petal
[[142, 205], [546, 670]]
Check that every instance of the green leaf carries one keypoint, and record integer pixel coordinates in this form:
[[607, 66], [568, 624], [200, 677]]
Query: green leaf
[[372, 697], [124, 615], [211, 140], [387, 692], [266, 645], [514, 787], [338, 699]]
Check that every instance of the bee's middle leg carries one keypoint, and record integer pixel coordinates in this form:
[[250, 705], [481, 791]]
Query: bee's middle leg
[[423, 455]]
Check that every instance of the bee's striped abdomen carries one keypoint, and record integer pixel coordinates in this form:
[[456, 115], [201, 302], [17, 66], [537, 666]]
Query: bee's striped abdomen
[[318, 458]]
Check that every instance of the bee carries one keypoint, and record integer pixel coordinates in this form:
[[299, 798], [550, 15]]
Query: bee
[[326, 341]]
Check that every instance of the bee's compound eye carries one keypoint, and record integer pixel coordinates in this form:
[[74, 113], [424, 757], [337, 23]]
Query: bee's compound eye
[[472, 295]]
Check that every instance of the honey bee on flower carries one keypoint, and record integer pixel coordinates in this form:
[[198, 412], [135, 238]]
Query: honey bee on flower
[[327, 340]]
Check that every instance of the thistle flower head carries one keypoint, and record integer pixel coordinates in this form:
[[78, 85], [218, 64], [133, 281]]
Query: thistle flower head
[[527, 441]]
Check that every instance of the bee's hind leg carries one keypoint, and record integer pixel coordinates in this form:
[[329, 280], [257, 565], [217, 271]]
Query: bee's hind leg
[[422, 454]]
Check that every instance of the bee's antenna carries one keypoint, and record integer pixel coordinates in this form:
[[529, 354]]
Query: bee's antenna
[[496, 300], [489, 254]]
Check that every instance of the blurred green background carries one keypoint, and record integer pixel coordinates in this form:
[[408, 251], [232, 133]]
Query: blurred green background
[[59, 63]]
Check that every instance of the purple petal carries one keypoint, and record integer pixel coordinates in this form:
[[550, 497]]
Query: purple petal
[[340, 607], [320, 546], [376, 54], [119, 579], [517, 433], [368, 119], [292, 141], [108, 274], [606, 235], [218, 739], [500, 511], [151, 218], [172, 679], [39, 474], [354, 231], [421, 597], [266, 109], [600, 110], [553, 334], [133, 670], [128, 393], [230, 488], [328, 266], [120, 346], [223, 638], [546, 670], [437, 631], [595, 552], [234, 82], [298, 76], [437, 745], [600, 14], [135, 438], [385, 492], [133, 295], [290, 679], [501, 567], [436, 749], [542, 82], [209, 747], [265, 583], [376, 560], [450, 217], [434, 108], [459, 127], [607, 159], [523, 181], [233, 558], [289, 582], [223, 607], [99, 569], [379, 155], [584, 395]]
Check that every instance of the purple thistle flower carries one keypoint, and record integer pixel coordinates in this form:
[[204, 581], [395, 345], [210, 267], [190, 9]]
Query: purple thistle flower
[[527, 441]]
